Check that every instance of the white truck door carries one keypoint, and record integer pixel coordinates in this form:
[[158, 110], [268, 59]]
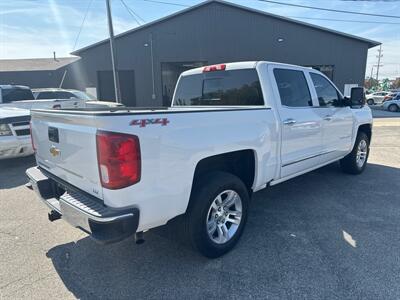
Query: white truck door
[[337, 121], [301, 132]]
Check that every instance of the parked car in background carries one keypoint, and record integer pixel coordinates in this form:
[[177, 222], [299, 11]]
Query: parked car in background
[[22, 97], [15, 139], [391, 96], [233, 129], [376, 98], [392, 105], [57, 93]]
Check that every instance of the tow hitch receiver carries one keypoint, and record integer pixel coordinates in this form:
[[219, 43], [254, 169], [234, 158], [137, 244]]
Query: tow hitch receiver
[[54, 216]]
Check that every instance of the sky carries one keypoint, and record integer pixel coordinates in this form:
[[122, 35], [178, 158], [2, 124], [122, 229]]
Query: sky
[[36, 28]]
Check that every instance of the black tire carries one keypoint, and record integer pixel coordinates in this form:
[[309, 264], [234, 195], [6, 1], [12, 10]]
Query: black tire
[[370, 102], [349, 163], [393, 108], [203, 195]]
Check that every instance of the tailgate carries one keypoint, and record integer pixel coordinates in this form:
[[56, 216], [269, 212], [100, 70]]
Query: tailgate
[[66, 147]]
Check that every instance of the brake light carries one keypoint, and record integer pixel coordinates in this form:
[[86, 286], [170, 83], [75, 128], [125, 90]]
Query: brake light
[[119, 160], [30, 131], [213, 68]]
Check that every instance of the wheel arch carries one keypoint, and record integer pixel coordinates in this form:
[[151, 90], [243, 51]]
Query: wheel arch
[[241, 163], [367, 129]]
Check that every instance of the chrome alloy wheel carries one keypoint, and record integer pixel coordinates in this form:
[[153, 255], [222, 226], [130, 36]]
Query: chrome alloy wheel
[[362, 150], [224, 216]]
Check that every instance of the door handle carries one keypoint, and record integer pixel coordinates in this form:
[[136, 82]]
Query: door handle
[[289, 121], [328, 118]]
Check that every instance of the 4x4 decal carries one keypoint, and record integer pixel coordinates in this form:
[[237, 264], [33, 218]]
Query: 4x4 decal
[[145, 122]]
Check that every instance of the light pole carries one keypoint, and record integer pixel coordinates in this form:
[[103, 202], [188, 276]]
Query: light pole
[[113, 54]]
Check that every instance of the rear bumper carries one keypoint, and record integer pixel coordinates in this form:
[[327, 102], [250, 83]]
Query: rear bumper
[[12, 146], [83, 211]]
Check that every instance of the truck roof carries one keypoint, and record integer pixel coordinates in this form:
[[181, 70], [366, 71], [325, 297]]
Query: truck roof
[[239, 65]]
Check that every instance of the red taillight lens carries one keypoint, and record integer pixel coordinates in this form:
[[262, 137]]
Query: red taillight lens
[[212, 68], [32, 141], [119, 160]]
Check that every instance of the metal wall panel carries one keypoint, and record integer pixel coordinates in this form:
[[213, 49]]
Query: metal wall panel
[[217, 33]]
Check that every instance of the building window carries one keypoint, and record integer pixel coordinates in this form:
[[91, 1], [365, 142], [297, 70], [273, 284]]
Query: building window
[[325, 69]]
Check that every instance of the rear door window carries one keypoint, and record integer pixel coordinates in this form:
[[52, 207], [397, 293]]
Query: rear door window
[[293, 88], [220, 88], [16, 94]]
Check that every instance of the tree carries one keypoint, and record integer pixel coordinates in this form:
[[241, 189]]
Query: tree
[[370, 83], [396, 83]]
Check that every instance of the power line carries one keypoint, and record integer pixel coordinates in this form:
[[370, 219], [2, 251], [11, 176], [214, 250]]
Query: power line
[[341, 20], [331, 10], [168, 3], [83, 22], [306, 18], [134, 15]]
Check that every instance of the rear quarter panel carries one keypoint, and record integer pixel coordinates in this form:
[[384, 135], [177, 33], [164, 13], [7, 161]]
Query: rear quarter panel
[[170, 154]]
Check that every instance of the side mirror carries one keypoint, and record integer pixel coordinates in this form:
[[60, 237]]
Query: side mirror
[[357, 97]]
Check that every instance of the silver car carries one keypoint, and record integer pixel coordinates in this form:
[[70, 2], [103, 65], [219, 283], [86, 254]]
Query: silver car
[[376, 98]]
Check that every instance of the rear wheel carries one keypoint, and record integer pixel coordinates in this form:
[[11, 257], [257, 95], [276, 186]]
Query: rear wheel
[[370, 101], [356, 161], [217, 213], [393, 108]]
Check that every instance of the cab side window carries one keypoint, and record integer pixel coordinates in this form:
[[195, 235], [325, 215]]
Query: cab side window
[[293, 88], [327, 94]]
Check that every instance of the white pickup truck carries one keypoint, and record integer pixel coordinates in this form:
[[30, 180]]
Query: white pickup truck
[[15, 139], [233, 129]]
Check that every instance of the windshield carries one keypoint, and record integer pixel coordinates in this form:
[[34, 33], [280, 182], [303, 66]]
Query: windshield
[[16, 94], [220, 88]]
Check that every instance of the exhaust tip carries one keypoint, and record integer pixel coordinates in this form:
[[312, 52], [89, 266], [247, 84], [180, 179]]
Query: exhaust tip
[[139, 238]]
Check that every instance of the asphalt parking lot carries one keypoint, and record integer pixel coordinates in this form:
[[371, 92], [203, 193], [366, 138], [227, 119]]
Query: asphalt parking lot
[[324, 235]]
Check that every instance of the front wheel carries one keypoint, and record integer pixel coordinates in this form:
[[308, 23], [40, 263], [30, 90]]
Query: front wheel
[[393, 107], [356, 161], [217, 213], [370, 101]]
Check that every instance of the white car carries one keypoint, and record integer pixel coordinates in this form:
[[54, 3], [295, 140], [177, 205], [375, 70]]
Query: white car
[[89, 101], [15, 139], [392, 105], [376, 98], [233, 129], [22, 97]]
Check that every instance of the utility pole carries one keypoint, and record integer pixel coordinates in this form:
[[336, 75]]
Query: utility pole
[[379, 62], [113, 54], [372, 72]]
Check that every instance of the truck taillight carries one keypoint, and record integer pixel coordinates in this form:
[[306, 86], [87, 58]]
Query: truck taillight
[[212, 68], [32, 141], [119, 160]]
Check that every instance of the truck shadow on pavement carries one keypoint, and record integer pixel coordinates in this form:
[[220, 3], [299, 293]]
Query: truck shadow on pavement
[[12, 171], [323, 235]]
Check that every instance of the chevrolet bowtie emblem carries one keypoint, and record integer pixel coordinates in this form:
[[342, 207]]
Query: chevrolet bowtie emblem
[[54, 151]]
